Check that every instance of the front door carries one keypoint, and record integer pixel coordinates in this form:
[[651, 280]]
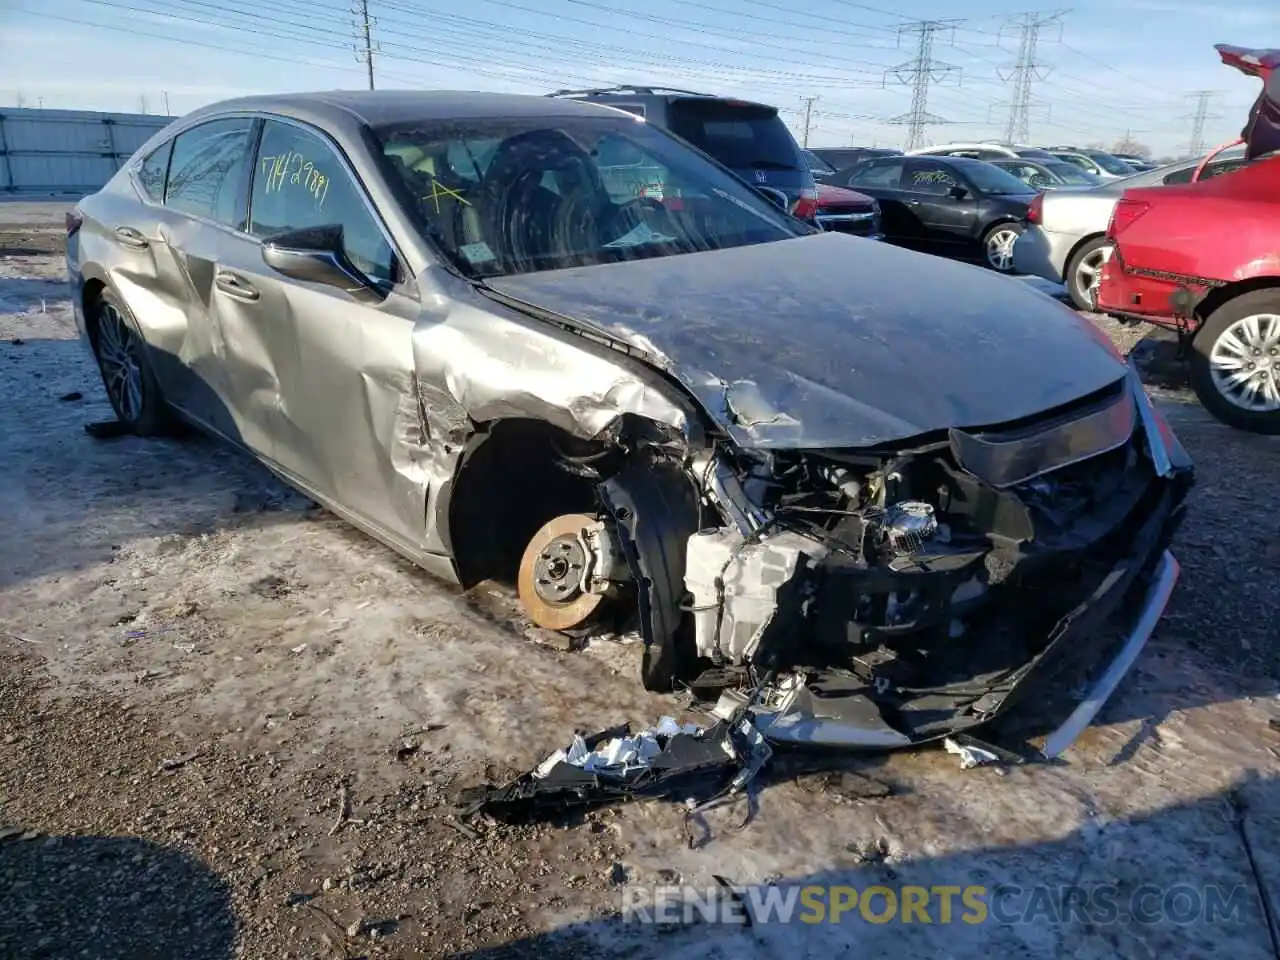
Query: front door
[[946, 220], [330, 378]]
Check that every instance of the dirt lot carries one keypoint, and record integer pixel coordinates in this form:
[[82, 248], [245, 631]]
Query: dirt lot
[[197, 666]]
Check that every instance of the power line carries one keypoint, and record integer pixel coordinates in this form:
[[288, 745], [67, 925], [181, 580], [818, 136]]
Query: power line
[[1202, 98], [1025, 71], [919, 74]]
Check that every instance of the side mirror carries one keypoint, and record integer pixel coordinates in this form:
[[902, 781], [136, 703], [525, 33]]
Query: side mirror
[[958, 192], [776, 197], [315, 255]]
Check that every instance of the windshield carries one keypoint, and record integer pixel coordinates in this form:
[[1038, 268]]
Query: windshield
[[742, 136], [989, 178], [517, 196], [1109, 163], [1070, 174]]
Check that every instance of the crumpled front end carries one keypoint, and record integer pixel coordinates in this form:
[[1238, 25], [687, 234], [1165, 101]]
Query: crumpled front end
[[885, 597]]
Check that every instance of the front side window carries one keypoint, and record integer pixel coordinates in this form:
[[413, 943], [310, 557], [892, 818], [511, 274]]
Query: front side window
[[990, 179], [299, 182], [878, 173], [152, 171], [208, 170], [516, 196]]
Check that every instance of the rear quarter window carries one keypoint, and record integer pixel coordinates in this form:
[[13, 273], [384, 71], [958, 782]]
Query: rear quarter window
[[152, 172]]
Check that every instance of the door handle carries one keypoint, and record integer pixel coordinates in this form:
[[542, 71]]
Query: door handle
[[913, 203], [233, 286], [129, 237]]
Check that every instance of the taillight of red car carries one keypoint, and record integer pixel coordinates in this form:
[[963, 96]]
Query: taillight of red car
[[807, 206], [1125, 213], [1036, 210], [73, 222]]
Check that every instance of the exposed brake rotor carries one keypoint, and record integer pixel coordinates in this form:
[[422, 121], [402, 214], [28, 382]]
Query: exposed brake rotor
[[552, 571]]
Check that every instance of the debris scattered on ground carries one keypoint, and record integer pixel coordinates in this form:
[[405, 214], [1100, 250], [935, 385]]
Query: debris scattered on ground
[[181, 761], [612, 766], [106, 429], [72, 396], [970, 754], [344, 809]]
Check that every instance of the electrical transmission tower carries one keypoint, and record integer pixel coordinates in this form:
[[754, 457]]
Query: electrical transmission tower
[[1202, 98], [1027, 70], [919, 74], [364, 24]]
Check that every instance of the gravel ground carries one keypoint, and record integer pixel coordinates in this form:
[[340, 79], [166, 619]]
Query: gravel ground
[[232, 726]]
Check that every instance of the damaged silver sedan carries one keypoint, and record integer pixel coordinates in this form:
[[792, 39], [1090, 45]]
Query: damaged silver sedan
[[539, 341]]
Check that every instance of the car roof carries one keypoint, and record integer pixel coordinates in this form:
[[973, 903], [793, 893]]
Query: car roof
[[384, 107], [633, 93]]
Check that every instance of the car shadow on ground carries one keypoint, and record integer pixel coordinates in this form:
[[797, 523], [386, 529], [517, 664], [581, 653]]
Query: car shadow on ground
[[110, 897], [94, 495], [1191, 880]]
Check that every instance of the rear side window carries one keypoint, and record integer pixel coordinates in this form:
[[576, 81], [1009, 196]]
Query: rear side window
[[299, 182], [878, 173], [741, 136], [208, 170], [152, 170]]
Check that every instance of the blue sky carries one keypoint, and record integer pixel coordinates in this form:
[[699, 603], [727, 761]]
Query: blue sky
[[1112, 66]]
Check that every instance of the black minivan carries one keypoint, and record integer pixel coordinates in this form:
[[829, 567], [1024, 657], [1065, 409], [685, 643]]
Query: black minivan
[[748, 138]]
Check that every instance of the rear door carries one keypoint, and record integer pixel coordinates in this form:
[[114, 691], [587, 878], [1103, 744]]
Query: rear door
[[750, 139], [204, 201], [882, 179]]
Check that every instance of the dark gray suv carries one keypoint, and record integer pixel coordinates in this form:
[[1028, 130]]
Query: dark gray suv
[[748, 138]]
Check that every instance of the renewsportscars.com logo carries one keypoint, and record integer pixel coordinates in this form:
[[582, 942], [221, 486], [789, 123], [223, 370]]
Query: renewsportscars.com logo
[[1098, 904]]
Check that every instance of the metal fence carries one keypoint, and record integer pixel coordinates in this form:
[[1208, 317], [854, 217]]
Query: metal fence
[[67, 151]]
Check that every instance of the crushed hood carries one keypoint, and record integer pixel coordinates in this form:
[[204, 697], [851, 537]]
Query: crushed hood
[[828, 340], [1261, 133]]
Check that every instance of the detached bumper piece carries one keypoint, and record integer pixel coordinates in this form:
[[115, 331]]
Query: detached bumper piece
[[683, 763]]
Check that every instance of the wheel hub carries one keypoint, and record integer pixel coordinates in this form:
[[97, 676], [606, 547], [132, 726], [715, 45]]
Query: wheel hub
[[558, 570], [552, 571]]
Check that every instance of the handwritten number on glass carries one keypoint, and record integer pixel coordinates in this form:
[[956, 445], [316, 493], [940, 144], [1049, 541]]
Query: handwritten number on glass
[[295, 170]]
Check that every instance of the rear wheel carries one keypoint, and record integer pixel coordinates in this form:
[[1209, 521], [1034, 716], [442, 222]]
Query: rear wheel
[[1235, 362], [1083, 269], [122, 360], [997, 246]]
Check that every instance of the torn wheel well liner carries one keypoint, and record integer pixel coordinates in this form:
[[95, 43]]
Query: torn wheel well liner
[[654, 509], [511, 480]]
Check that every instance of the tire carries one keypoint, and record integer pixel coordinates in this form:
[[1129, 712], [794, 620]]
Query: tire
[[1002, 235], [1242, 331], [1081, 268], [126, 372]]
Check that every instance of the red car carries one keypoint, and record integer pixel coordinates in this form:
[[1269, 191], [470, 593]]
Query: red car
[[847, 211], [1204, 259]]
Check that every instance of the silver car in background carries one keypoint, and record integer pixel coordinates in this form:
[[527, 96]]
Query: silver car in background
[[1066, 241]]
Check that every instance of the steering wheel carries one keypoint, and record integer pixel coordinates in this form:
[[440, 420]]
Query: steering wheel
[[643, 210]]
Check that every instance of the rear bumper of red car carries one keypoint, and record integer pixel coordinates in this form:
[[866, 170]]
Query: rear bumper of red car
[[1147, 295]]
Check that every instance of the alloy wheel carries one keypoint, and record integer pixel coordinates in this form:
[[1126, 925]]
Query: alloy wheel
[[1000, 249], [119, 354], [1245, 363], [1089, 271]]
